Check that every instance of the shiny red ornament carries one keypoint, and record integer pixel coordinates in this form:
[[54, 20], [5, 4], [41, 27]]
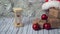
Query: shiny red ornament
[[44, 17], [36, 26], [58, 0], [47, 26], [46, 0]]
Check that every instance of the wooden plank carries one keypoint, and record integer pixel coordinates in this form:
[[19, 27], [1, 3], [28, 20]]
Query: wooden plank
[[45, 31], [34, 32], [10, 28], [20, 30], [6, 26], [14, 30], [58, 31], [25, 30], [41, 31], [26, 25], [30, 29], [1, 22], [3, 25], [51, 31]]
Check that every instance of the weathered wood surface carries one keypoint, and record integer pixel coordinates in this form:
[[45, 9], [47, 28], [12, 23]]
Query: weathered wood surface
[[7, 27]]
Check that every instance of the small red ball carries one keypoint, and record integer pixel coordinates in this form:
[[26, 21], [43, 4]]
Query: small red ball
[[58, 0], [36, 26], [44, 17], [47, 26], [46, 0]]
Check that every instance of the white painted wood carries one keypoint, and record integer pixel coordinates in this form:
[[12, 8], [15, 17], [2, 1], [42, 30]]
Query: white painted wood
[[3, 25], [30, 29], [1, 22], [6, 26], [20, 30], [10, 28], [41, 31], [34, 32], [14, 30], [51, 31], [56, 31], [45, 31], [25, 30]]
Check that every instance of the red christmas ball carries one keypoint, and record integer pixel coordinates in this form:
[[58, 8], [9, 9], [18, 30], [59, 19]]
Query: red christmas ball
[[58, 0], [36, 26], [47, 26], [46, 0], [44, 17]]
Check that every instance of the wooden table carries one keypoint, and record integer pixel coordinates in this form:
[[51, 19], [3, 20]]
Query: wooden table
[[7, 27]]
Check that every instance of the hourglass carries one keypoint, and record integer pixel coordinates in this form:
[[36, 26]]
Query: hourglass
[[17, 19]]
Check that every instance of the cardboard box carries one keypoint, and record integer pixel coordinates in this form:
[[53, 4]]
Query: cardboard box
[[55, 23], [54, 13], [41, 22]]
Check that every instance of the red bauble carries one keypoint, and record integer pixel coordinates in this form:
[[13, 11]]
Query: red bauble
[[18, 15], [47, 26], [36, 26], [58, 0], [46, 0], [44, 17]]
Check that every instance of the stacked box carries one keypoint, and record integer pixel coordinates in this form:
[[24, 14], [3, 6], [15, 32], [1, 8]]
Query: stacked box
[[54, 13], [55, 23], [54, 17], [41, 22]]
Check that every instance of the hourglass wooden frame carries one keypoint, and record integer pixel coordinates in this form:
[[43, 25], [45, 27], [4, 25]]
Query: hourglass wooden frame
[[17, 19]]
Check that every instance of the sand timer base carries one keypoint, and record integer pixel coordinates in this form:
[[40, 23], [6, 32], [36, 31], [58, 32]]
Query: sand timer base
[[18, 24]]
